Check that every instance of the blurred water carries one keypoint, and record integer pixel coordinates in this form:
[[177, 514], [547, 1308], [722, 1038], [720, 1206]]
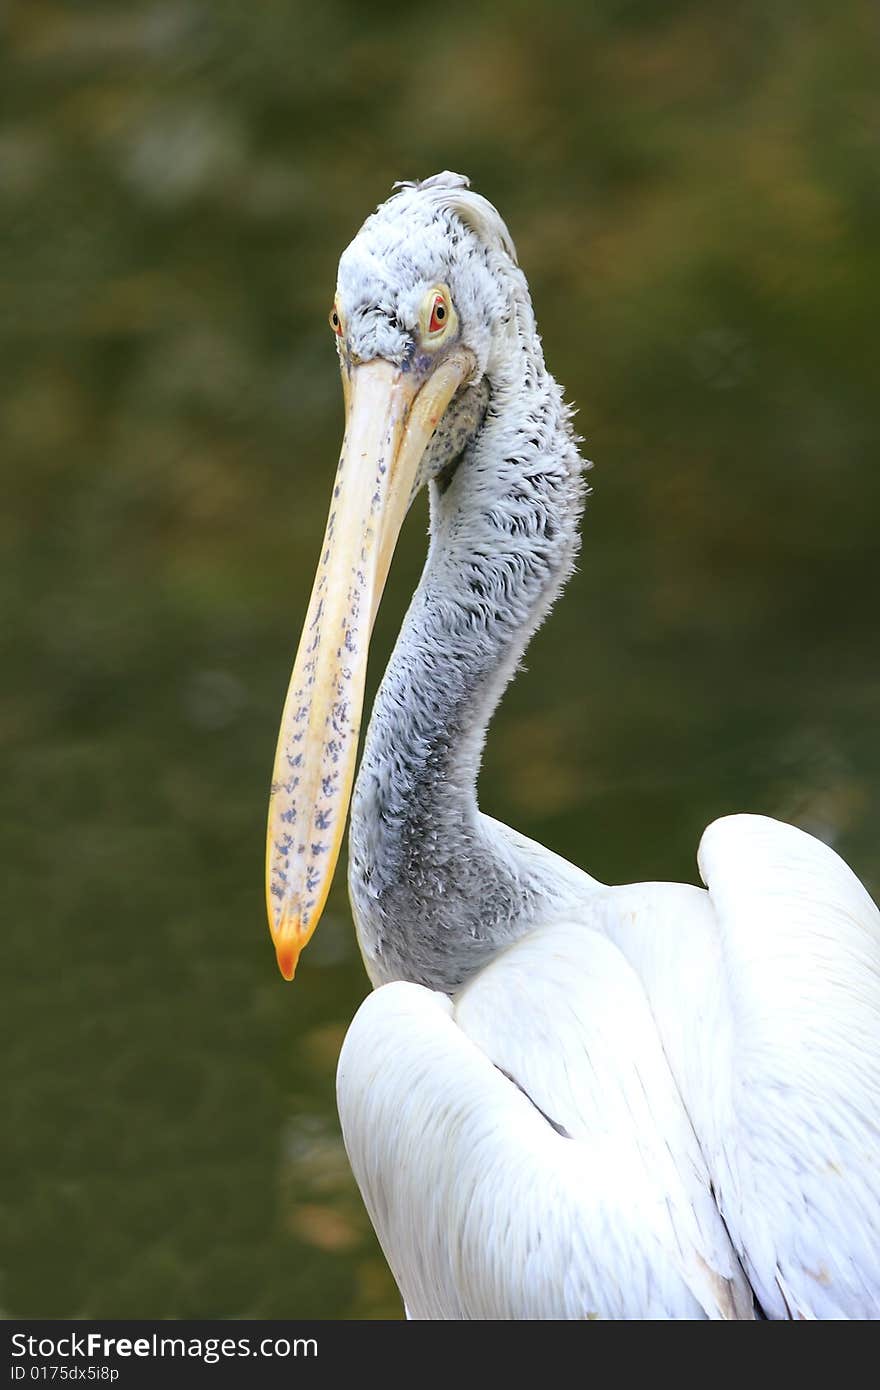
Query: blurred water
[[695, 200]]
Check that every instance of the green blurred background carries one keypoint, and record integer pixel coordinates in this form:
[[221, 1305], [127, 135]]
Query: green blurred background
[[695, 194]]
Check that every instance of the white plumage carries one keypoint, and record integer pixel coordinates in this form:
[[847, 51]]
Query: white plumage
[[764, 994], [576, 1190], [565, 1100]]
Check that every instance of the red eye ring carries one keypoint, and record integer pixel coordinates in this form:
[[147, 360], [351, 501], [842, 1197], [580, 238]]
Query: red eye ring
[[439, 314], [336, 321]]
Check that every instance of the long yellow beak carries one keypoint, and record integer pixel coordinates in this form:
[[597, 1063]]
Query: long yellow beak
[[390, 419]]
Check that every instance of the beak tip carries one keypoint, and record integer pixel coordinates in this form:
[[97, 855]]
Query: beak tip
[[288, 955]]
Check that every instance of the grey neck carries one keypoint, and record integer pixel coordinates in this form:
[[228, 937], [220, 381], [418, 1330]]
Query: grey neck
[[436, 888]]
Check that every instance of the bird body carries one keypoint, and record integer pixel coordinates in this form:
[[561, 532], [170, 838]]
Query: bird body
[[522, 1149], [753, 1046], [562, 1099]]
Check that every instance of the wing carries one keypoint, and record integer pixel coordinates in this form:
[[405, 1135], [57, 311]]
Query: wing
[[766, 991], [522, 1150]]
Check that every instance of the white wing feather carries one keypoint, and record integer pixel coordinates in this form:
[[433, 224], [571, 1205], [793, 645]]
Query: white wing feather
[[766, 992], [801, 1182], [523, 1152]]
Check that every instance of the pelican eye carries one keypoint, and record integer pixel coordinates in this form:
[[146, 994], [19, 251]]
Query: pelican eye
[[439, 315], [437, 318], [336, 321]]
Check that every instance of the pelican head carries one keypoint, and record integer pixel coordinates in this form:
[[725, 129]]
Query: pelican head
[[428, 299]]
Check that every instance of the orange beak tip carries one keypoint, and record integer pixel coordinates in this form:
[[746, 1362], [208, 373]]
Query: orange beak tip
[[288, 955]]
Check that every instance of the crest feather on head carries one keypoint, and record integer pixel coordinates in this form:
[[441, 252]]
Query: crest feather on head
[[453, 192]]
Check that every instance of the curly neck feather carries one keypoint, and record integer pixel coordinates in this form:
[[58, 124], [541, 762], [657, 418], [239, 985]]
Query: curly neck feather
[[435, 889]]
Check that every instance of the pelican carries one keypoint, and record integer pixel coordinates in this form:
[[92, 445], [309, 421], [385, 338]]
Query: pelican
[[561, 1099]]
